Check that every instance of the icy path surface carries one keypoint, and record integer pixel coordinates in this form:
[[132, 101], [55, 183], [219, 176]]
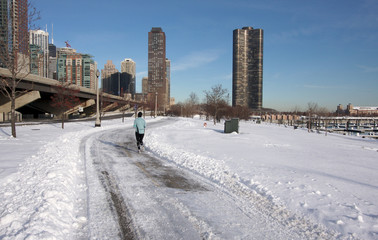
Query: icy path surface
[[151, 198]]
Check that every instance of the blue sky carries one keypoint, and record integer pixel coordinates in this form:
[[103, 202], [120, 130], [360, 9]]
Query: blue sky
[[323, 51]]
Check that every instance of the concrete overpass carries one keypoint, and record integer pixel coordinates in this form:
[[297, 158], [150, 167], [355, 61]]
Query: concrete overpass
[[34, 99]]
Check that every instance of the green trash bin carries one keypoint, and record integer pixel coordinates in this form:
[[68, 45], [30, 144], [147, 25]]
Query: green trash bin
[[227, 126], [231, 125]]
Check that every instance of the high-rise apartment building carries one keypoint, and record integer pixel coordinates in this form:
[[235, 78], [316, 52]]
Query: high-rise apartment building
[[89, 71], [76, 68], [36, 60], [157, 71], [40, 38], [14, 38], [247, 73]]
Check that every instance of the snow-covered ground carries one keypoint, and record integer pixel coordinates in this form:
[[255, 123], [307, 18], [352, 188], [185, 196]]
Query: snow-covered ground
[[330, 181]]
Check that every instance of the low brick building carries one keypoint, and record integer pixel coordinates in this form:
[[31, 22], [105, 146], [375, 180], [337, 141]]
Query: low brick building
[[357, 111]]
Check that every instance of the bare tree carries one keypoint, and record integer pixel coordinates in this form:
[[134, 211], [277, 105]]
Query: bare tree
[[312, 109], [14, 51], [176, 110], [296, 109], [191, 105], [323, 111], [65, 98], [314, 113], [241, 112], [216, 100]]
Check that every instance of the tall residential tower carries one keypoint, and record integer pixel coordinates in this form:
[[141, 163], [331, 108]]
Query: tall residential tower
[[157, 71], [247, 72], [128, 66], [76, 68], [14, 37], [40, 39]]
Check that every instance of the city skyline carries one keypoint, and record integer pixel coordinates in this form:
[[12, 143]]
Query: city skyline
[[323, 52]]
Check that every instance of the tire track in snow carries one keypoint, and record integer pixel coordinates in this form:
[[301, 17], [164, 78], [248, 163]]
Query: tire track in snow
[[102, 159], [109, 184], [123, 214], [225, 189], [156, 172]]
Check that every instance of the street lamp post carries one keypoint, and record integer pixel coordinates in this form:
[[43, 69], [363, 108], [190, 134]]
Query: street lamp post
[[144, 106], [98, 122], [156, 103]]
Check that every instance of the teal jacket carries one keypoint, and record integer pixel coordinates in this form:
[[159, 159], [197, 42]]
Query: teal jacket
[[139, 125]]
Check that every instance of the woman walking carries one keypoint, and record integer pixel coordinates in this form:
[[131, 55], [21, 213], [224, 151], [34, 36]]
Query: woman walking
[[140, 126]]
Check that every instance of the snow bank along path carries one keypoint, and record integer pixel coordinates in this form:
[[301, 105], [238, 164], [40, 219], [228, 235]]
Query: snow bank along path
[[41, 200], [330, 180], [46, 197]]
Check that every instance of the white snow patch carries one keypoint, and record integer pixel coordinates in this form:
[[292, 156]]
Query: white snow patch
[[328, 179]]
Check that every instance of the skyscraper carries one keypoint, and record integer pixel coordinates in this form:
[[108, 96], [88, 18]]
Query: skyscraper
[[36, 60], [76, 68], [70, 68], [89, 71], [157, 72], [119, 84], [14, 38], [40, 38], [109, 69], [247, 73], [128, 66], [52, 50], [52, 71], [52, 62]]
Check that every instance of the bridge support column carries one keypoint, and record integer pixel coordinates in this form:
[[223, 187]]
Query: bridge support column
[[21, 101]]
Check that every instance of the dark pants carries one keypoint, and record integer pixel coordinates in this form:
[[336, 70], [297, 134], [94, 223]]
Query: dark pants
[[139, 138]]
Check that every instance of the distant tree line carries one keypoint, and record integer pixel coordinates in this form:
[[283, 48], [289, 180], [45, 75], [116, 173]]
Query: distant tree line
[[214, 107]]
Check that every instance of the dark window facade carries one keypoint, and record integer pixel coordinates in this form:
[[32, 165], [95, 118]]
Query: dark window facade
[[119, 84], [52, 50]]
